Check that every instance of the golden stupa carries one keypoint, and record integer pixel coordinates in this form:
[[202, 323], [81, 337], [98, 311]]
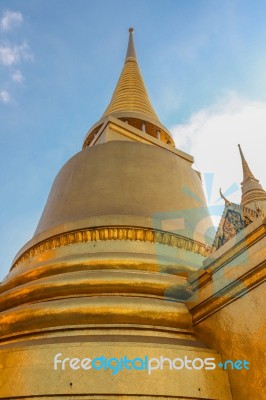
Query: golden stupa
[[119, 294]]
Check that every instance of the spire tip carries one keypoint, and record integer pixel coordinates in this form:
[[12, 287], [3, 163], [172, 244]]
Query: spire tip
[[241, 153], [131, 49]]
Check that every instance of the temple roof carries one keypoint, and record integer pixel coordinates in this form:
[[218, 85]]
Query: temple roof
[[234, 219], [237, 216]]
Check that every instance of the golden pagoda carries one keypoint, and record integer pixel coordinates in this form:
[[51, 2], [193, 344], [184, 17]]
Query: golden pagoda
[[119, 295]]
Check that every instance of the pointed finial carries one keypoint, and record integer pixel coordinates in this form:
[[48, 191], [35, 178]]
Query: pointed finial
[[246, 170], [227, 202], [131, 53]]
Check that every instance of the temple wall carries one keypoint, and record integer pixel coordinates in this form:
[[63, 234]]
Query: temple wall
[[228, 308], [237, 332]]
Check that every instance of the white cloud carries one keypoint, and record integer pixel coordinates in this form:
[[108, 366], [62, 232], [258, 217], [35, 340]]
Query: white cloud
[[4, 96], [10, 19], [13, 55], [17, 76], [211, 136]]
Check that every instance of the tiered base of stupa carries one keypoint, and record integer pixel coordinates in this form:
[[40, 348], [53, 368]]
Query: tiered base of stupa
[[61, 311]]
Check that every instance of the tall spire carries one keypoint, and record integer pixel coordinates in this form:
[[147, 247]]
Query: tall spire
[[246, 170], [130, 103], [130, 94], [252, 191]]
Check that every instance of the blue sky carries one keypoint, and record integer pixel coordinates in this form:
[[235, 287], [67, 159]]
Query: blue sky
[[203, 62]]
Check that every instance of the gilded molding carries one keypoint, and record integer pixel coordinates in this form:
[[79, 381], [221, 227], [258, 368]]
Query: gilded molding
[[229, 294], [98, 310], [114, 233]]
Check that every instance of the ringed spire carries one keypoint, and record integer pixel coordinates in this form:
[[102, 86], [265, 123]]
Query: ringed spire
[[252, 191], [246, 170], [130, 94], [130, 102]]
